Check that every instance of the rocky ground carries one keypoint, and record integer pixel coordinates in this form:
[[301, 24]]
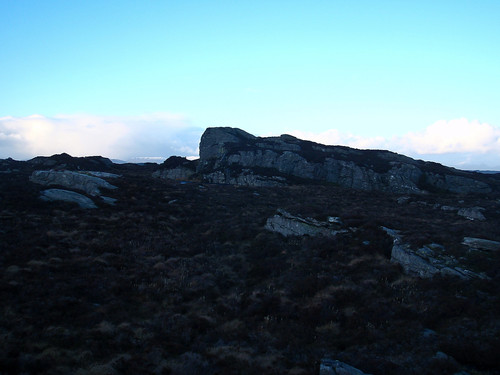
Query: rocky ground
[[186, 278]]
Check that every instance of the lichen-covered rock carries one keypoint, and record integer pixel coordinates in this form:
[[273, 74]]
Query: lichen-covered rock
[[72, 180], [51, 195]]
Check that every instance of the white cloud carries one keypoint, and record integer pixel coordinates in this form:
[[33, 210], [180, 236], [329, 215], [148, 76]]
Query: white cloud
[[460, 143], [149, 136], [460, 135]]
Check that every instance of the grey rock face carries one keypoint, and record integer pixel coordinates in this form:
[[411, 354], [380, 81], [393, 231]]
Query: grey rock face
[[334, 367], [67, 196], [233, 153], [72, 180], [457, 184], [245, 178], [290, 225], [481, 244], [176, 168], [427, 261]]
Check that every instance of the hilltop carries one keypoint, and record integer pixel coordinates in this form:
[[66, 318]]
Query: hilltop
[[271, 272]]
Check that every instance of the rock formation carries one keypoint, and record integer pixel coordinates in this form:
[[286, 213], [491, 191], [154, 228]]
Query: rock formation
[[431, 259], [89, 182], [290, 225], [233, 156], [176, 168], [73, 180]]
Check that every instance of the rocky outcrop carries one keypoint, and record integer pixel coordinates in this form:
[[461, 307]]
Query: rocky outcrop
[[72, 180], [52, 195], [291, 225], [481, 244], [229, 155], [176, 168], [334, 367], [427, 261]]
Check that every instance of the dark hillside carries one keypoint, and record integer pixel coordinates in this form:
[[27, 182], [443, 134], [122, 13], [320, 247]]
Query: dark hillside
[[183, 278]]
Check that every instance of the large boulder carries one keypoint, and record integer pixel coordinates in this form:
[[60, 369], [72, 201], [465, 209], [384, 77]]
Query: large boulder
[[52, 195], [233, 156], [72, 180]]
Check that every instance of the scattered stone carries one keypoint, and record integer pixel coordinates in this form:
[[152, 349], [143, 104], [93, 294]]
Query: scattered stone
[[473, 213], [108, 200], [72, 180], [334, 220], [13, 269], [441, 356], [481, 244], [334, 367], [429, 333], [51, 195], [449, 208], [290, 225], [402, 200]]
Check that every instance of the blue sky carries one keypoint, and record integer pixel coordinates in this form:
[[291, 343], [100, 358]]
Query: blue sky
[[147, 77]]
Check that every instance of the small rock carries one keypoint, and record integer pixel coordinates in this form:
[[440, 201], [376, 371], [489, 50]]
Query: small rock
[[402, 200], [108, 200], [448, 208], [427, 333], [334, 367], [473, 213], [334, 220], [13, 269]]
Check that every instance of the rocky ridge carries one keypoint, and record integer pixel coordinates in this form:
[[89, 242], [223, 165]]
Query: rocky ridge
[[233, 156]]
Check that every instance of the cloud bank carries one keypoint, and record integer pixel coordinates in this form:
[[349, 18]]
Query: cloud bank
[[140, 138], [459, 143]]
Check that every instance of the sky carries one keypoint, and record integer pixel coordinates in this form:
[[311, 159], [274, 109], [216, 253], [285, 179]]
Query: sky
[[141, 80]]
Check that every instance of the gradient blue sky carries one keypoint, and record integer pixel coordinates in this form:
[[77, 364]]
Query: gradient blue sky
[[372, 74]]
